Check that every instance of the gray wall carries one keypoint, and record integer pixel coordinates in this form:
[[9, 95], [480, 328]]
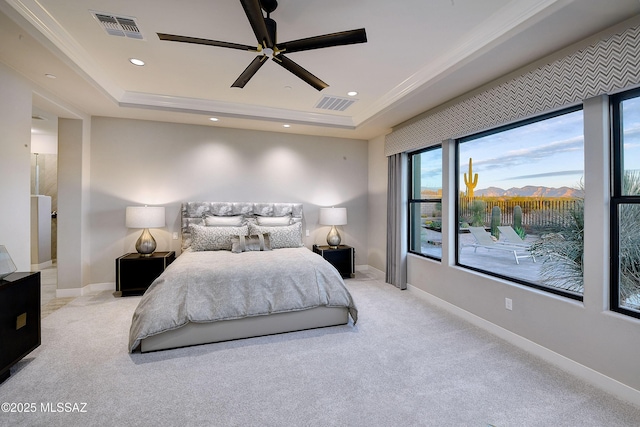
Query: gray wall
[[15, 152], [73, 204], [587, 333], [137, 162], [377, 231]]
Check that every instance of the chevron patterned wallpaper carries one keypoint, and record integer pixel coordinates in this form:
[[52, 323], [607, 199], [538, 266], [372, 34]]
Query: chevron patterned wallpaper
[[603, 67]]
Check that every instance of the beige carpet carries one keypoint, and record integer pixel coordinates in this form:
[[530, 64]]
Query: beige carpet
[[406, 363]]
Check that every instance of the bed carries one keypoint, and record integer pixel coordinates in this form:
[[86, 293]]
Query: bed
[[243, 272]]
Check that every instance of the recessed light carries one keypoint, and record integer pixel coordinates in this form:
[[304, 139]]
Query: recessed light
[[352, 93], [51, 76], [136, 61], [213, 119], [286, 126]]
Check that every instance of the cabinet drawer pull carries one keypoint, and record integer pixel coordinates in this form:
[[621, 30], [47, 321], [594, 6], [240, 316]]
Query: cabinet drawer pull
[[21, 321]]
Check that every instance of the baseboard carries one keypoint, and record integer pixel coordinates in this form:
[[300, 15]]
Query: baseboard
[[596, 378], [85, 290], [371, 272]]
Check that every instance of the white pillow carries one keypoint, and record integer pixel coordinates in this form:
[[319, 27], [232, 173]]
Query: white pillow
[[289, 236], [214, 238], [223, 221], [274, 221]]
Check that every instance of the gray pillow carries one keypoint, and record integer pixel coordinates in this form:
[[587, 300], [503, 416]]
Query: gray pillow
[[259, 242], [289, 236], [214, 238]]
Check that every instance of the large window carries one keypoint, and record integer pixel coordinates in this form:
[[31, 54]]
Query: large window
[[425, 202], [520, 205], [625, 204]]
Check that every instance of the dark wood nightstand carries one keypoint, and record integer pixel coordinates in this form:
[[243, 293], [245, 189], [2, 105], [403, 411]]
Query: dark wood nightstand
[[343, 258], [135, 273], [19, 318]]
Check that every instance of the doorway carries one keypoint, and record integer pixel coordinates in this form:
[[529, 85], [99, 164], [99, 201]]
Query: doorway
[[44, 200]]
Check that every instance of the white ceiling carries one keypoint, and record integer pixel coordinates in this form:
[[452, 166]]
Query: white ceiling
[[419, 54]]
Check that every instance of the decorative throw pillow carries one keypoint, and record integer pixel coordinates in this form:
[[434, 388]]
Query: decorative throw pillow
[[223, 221], [289, 236], [214, 238], [274, 221], [259, 242]]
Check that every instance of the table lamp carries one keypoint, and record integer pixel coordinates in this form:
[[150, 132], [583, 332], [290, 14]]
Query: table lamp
[[333, 217], [145, 217]]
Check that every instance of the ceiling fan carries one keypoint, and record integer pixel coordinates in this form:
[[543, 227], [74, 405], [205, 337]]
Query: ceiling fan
[[265, 31]]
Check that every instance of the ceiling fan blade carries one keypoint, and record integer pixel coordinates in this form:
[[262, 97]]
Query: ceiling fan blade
[[254, 13], [327, 40], [194, 40], [253, 68], [300, 72]]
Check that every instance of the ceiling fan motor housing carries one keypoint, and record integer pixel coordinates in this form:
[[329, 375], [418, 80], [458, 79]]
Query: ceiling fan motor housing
[[268, 5], [271, 29]]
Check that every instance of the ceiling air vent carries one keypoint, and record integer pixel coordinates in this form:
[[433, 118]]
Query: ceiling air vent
[[121, 26], [335, 103]]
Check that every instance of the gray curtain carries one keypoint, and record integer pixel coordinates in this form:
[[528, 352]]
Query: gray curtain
[[397, 222]]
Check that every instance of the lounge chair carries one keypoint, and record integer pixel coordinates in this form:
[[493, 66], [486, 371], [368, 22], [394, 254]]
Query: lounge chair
[[509, 236], [484, 240]]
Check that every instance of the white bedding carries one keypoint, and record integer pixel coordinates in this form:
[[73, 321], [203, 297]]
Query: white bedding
[[210, 286]]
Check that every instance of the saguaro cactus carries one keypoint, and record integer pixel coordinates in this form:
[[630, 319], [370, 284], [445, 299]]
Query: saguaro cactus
[[517, 217], [495, 221], [468, 181]]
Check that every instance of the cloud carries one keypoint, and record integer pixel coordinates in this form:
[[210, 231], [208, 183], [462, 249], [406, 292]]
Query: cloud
[[548, 174], [527, 156]]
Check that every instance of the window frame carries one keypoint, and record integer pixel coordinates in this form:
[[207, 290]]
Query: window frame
[[499, 129], [617, 198], [411, 201]]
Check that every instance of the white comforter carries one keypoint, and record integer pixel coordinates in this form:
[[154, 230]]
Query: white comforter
[[221, 285]]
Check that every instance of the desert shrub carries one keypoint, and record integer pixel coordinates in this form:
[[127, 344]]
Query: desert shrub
[[478, 208], [562, 253]]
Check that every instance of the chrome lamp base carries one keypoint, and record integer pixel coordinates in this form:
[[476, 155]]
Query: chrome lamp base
[[333, 238], [146, 244]]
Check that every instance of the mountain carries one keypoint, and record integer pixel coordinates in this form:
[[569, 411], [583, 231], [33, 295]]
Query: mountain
[[530, 191]]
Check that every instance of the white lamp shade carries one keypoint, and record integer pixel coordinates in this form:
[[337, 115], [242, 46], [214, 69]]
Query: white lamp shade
[[333, 216], [145, 216]]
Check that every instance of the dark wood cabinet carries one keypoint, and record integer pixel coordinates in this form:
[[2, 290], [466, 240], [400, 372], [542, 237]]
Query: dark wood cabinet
[[342, 258], [134, 272], [19, 318]]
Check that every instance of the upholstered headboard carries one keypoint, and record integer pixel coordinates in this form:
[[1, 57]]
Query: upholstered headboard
[[195, 212]]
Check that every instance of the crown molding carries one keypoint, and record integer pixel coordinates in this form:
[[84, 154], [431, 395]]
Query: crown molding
[[228, 109], [514, 16], [73, 54], [510, 18]]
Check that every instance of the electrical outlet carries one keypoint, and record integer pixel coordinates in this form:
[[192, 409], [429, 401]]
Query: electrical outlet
[[307, 233], [508, 304], [175, 235]]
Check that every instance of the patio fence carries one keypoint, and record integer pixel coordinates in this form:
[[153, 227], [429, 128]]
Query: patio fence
[[536, 212]]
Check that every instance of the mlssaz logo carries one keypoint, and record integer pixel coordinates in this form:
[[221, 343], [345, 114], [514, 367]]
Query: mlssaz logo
[[63, 407]]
